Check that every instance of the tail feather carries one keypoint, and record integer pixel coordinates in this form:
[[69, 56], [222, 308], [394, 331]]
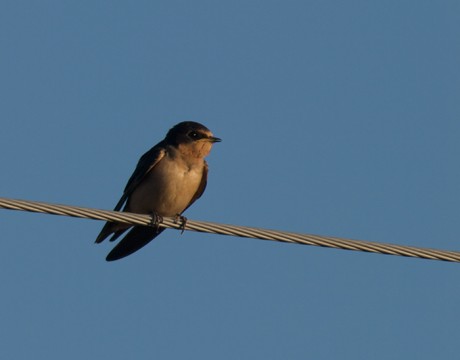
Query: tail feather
[[111, 228], [117, 234], [137, 238], [105, 232]]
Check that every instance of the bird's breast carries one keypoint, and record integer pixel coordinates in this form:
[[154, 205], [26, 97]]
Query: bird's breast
[[168, 188]]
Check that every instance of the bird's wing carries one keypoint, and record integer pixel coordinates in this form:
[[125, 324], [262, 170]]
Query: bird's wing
[[146, 163]]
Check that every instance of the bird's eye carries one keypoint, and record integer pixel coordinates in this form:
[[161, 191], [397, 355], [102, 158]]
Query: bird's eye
[[194, 135]]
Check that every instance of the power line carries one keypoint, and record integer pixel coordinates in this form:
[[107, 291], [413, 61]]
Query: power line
[[232, 230]]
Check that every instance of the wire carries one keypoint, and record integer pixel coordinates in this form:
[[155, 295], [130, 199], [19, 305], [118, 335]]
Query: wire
[[232, 230]]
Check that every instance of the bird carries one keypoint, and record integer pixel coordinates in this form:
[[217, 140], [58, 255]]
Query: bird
[[167, 180]]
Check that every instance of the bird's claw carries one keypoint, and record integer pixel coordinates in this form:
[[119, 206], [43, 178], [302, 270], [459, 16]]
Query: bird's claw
[[182, 220], [156, 220]]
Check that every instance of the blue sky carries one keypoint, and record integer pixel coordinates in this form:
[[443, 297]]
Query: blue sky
[[337, 118]]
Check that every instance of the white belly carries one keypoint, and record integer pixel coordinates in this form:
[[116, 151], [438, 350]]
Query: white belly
[[167, 189]]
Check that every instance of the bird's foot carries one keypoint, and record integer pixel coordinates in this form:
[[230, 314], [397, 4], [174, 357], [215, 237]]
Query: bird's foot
[[156, 220], [182, 220]]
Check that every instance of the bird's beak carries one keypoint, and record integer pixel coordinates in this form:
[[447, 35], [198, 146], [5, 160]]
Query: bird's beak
[[214, 139]]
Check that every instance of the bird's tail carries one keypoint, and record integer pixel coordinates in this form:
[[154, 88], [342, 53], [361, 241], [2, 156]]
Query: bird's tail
[[111, 228], [138, 237]]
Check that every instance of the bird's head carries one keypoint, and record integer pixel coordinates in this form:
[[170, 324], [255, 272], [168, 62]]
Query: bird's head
[[192, 137]]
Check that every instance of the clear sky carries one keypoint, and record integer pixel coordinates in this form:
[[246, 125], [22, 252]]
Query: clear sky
[[337, 118]]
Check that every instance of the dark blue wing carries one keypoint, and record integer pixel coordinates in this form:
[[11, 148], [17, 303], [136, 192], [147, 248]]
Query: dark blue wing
[[146, 163]]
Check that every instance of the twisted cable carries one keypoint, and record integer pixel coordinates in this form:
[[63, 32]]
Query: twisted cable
[[232, 230]]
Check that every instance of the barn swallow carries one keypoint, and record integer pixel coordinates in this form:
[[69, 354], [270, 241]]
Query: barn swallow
[[168, 178]]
